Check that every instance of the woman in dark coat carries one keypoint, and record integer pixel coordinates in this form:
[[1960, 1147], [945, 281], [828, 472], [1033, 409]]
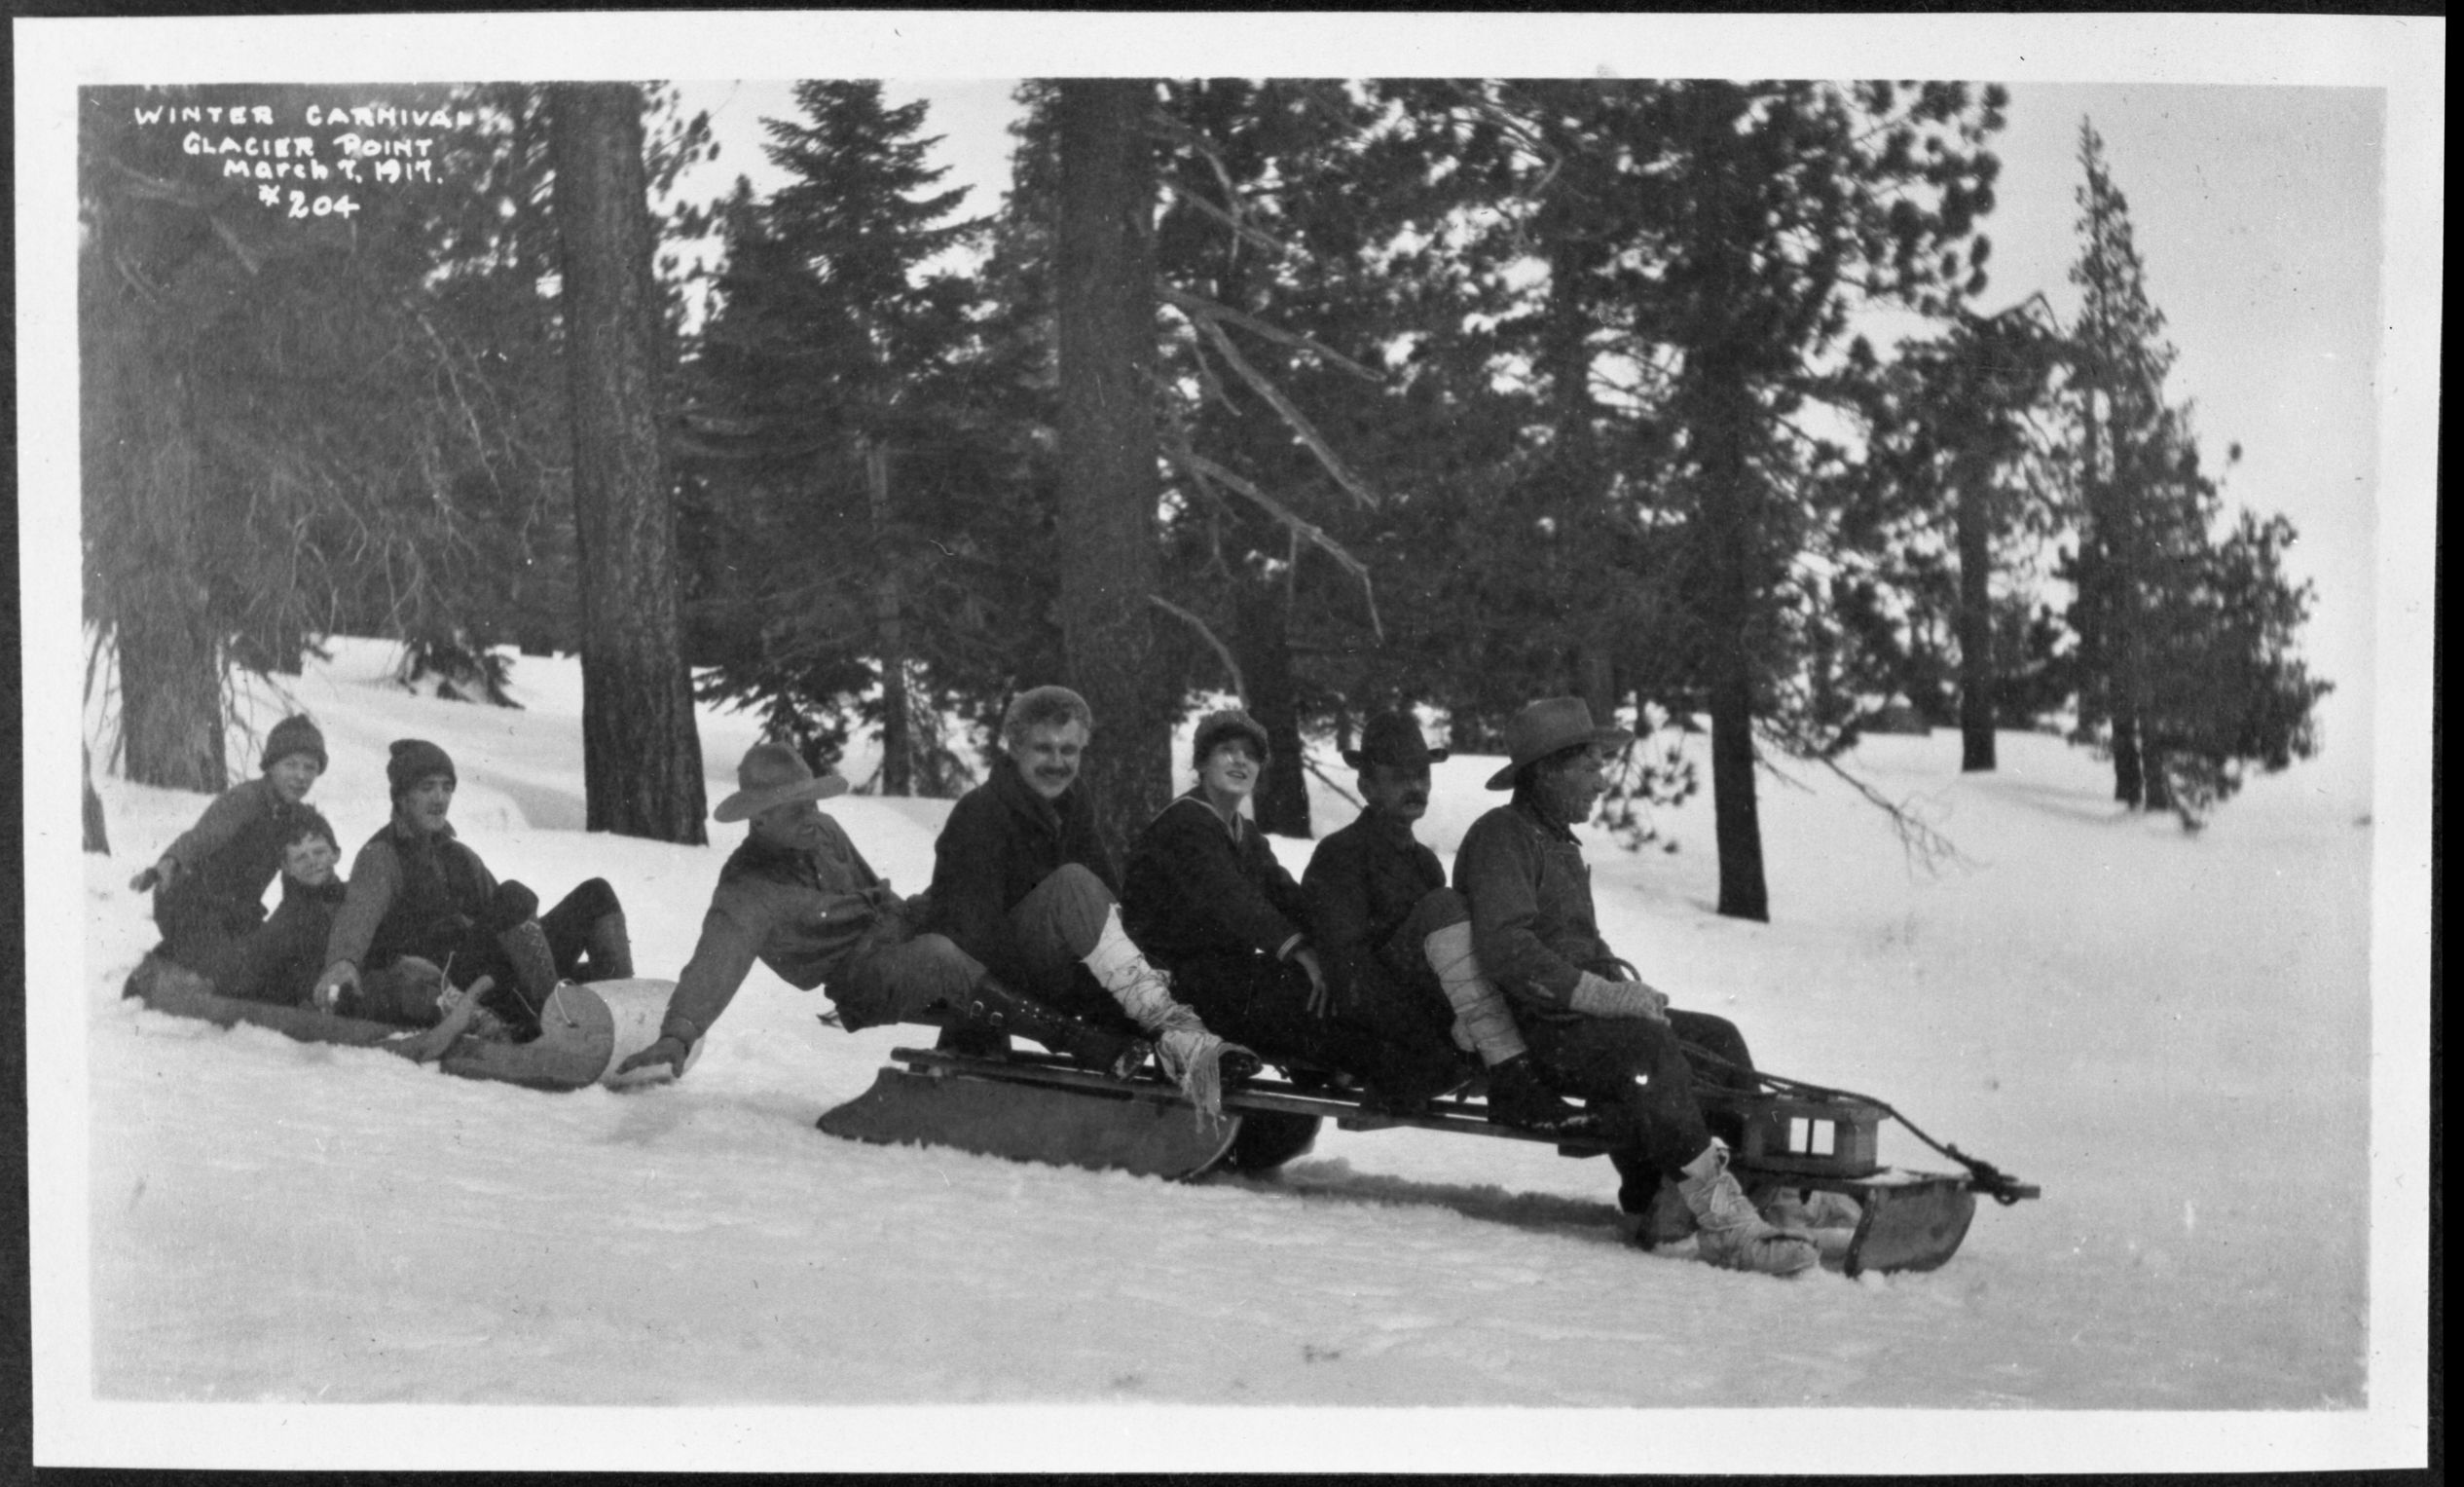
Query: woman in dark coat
[[1207, 901]]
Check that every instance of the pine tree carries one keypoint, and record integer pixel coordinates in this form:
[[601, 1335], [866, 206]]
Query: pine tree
[[834, 405], [2185, 663]]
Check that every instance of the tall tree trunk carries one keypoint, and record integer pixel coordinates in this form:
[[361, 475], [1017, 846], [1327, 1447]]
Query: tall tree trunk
[[1973, 518], [97, 831], [1731, 518], [642, 759], [898, 752], [1264, 638], [1110, 563]]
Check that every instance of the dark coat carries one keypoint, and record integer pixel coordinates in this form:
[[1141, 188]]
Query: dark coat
[[1196, 889], [1531, 896], [226, 861], [404, 885], [1001, 839], [1362, 883]]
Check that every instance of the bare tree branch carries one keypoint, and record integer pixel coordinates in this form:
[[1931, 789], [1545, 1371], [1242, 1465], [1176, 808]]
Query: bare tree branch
[[1239, 687]]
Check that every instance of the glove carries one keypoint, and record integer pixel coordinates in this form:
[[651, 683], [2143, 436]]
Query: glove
[[1601, 997]]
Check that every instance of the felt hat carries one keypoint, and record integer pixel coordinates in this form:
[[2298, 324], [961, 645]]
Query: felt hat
[[294, 734], [1216, 729], [774, 774], [1546, 727], [1391, 738], [415, 760]]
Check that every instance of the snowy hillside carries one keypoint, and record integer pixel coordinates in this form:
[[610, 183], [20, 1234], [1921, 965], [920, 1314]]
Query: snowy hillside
[[2171, 1035]]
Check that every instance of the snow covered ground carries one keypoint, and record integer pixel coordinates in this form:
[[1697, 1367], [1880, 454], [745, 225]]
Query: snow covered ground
[[2172, 1035]]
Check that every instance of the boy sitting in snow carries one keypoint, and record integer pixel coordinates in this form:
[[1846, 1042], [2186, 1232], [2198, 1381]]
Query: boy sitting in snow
[[209, 886], [277, 961], [417, 895]]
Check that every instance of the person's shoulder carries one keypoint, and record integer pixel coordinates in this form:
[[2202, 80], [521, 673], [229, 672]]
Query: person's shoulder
[[1498, 822], [1345, 840]]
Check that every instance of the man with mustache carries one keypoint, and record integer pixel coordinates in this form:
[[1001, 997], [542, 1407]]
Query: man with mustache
[[1023, 885], [1397, 941], [1612, 1041], [799, 897]]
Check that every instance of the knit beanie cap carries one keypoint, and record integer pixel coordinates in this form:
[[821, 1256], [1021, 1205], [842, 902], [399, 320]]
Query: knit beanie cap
[[1217, 728], [294, 734], [415, 760]]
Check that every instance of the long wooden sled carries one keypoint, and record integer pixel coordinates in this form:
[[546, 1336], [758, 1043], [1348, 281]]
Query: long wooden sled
[[1037, 1108], [585, 1032]]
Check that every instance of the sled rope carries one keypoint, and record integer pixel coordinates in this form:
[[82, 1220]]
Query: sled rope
[[1984, 1177]]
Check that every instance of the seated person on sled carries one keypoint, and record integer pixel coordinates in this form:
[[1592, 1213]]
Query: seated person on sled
[[799, 897], [1023, 883], [1206, 898], [1613, 1042], [1397, 941], [209, 886], [278, 962], [424, 921]]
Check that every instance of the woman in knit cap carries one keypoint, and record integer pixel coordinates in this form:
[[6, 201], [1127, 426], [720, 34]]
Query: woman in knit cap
[[209, 886], [424, 910], [1206, 899]]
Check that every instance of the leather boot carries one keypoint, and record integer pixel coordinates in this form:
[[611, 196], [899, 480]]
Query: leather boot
[[1729, 1233], [1518, 1099], [994, 1006], [610, 948], [533, 973]]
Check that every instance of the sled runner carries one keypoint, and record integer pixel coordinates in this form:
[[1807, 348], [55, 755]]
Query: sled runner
[[1037, 1108], [584, 1032]]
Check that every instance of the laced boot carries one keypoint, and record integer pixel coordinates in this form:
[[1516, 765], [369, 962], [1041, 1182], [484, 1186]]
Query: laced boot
[[535, 977], [1518, 1099], [1200, 1063], [1729, 1233], [972, 1041], [994, 1007], [611, 947]]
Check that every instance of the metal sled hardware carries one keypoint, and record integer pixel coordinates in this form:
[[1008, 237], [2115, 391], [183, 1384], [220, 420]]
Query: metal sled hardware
[[1036, 1108]]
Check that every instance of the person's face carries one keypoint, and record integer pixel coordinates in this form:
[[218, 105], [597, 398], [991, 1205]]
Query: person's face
[[795, 825], [292, 775], [1401, 791], [1047, 756], [1231, 770], [311, 860], [426, 803], [1575, 787]]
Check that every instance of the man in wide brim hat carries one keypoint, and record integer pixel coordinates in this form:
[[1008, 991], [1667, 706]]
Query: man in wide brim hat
[[1397, 945], [799, 897], [774, 774], [1593, 1028], [1548, 726]]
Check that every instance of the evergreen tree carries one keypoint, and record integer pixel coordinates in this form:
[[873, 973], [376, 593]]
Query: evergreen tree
[[839, 425]]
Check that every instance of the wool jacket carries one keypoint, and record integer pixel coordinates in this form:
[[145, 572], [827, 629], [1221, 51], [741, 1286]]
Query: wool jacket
[[1534, 927], [228, 858], [1002, 839], [1362, 882], [1197, 888], [401, 883], [802, 914]]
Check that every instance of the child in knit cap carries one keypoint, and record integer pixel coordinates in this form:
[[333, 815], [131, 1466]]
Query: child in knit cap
[[209, 886]]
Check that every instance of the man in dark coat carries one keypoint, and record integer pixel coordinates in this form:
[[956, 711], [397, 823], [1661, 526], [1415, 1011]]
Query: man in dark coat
[[1612, 1040], [799, 897], [417, 894], [1397, 941], [1021, 883], [1207, 898], [209, 886]]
